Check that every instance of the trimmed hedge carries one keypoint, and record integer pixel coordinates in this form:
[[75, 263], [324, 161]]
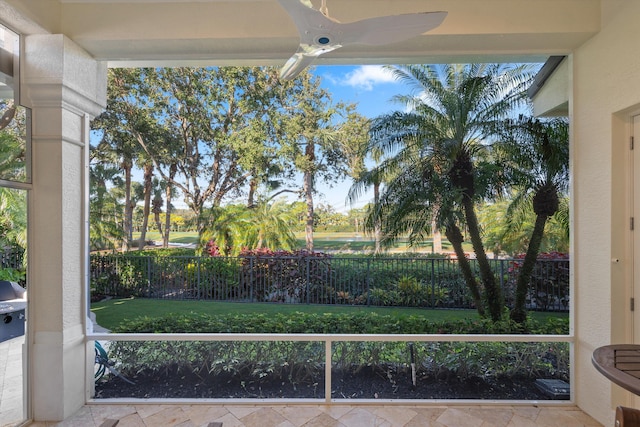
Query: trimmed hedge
[[303, 362], [332, 323]]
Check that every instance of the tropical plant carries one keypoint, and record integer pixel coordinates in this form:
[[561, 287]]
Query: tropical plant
[[105, 210], [268, 225], [13, 218], [234, 228], [438, 157], [511, 236], [538, 153]]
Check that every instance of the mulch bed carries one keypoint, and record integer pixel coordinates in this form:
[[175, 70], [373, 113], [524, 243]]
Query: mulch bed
[[366, 383]]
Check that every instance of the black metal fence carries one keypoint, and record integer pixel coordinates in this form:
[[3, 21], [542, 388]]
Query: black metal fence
[[321, 279], [11, 257]]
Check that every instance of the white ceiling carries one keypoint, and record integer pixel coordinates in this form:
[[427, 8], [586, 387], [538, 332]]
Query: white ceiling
[[247, 32]]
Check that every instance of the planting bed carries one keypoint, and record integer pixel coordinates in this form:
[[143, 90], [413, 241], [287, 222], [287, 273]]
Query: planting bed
[[366, 383]]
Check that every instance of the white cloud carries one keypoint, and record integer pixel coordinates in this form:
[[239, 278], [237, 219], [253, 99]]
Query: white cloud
[[366, 76]]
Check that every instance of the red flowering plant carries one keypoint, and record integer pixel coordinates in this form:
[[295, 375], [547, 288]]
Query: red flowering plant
[[549, 284], [212, 248]]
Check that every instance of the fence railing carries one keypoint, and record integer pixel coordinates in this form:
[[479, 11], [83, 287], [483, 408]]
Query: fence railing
[[321, 279]]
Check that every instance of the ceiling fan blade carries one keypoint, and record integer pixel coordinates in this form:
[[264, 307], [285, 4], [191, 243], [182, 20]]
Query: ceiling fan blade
[[320, 34], [7, 117], [390, 29], [316, 36], [309, 22], [298, 62]]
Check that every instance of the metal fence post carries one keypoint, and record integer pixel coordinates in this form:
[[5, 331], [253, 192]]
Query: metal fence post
[[367, 283], [251, 281], [502, 276], [198, 284], [433, 279], [149, 276], [307, 279]]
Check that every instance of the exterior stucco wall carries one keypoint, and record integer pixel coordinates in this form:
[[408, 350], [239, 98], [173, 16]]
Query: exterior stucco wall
[[606, 88], [64, 87]]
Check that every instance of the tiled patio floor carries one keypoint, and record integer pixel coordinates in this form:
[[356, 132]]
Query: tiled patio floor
[[326, 416], [11, 408]]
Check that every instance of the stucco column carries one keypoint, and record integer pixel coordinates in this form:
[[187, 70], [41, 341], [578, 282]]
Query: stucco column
[[65, 88]]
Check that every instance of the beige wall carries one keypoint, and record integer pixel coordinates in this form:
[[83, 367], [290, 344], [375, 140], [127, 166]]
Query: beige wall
[[606, 88], [65, 88]]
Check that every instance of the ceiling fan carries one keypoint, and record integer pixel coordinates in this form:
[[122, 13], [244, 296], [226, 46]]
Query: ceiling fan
[[319, 33]]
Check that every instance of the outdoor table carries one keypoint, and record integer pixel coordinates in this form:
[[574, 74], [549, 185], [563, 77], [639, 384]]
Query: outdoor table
[[620, 363]]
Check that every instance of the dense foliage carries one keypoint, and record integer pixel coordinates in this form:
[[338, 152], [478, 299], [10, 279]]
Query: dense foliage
[[332, 323], [303, 362]]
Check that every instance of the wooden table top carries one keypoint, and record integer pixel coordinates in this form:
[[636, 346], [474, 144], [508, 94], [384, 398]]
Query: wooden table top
[[620, 363]]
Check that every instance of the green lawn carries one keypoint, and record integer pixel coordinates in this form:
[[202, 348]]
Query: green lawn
[[322, 241], [175, 237], [110, 313]]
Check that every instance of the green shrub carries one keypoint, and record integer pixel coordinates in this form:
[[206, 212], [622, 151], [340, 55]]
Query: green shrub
[[12, 275], [303, 362], [332, 323]]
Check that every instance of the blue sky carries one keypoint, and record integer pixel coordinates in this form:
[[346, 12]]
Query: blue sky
[[371, 87]]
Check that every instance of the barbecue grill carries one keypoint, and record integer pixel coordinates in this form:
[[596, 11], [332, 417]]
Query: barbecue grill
[[13, 302]]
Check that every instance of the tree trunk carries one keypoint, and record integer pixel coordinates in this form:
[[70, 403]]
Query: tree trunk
[[493, 294], [455, 238], [253, 186], [173, 169], [545, 204], [128, 209], [156, 208], [307, 187], [436, 235], [377, 228], [148, 175], [519, 312]]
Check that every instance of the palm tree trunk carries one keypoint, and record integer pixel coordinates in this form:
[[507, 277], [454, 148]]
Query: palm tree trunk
[[148, 175], [519, 312], [307, 187], [493, 293], [436, 236], [377, 228], [253, 186], [455, 238], [173, 169], [157, 210], [128, 209]]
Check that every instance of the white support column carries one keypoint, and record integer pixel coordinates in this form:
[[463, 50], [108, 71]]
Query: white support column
[[63, 85]]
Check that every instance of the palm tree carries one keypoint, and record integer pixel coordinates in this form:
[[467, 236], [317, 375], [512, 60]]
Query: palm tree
[[118, 145], [509, 234], [539, 151], [440, 140], [269, 225], [369, 179], [104, 209], [265, 225]]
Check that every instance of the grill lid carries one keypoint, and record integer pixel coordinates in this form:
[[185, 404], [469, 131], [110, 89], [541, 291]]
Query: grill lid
[[11, 290]]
